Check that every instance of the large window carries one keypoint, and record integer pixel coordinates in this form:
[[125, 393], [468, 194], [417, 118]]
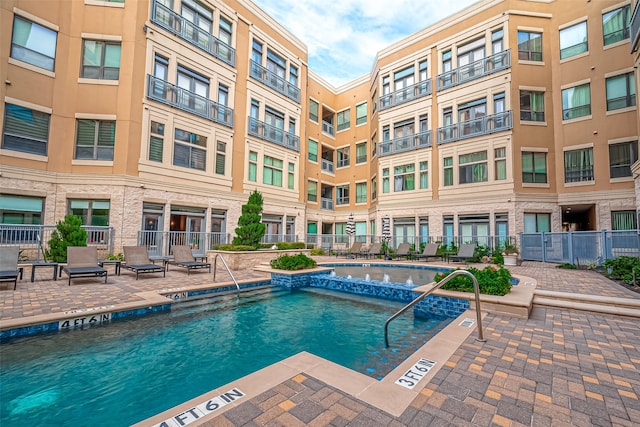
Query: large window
[[578, 165], [221, 157], [91, 212], [25, 130], [447, 163], [623, 220], [156, 142], [196, 90], [621, 157], [33, 43], [404, 177], [291, 176], [343, 156], [374, 188], [313, 110], [361, 192], [470, 116], [20, 210], [342, 194], [272, 171], [385, 180], [531, 106], [95, 139], [189, 150], [615, 25], [100, 60], [252, 173], [361, 152], [576, 102], [403, 78], [529, 46], [313, 151], [621, 91], [473, 167], [361, 113], [424, 175], [573, 40], [537, 222], [312, 191], [534, 167], [344, 119], [500, 158]]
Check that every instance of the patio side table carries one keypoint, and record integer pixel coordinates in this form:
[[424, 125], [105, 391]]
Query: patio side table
[[38, 264], [115, 262]]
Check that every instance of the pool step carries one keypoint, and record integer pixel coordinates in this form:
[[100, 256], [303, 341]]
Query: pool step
[[595, 303], [226, 301]]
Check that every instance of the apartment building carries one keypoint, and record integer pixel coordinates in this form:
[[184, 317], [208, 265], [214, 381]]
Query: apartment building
[[163, 115]]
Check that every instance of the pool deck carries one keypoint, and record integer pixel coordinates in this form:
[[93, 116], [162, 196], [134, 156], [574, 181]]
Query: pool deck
[[574, 361]]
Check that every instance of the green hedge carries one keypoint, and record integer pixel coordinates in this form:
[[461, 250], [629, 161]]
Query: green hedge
[[293, 262], [491, 281], [233, 248]]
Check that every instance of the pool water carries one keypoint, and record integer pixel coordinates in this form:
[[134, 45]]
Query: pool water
[[126, 371], [416, 275]]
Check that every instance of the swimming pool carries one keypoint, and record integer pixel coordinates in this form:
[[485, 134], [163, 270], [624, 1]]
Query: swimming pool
[[126, 371], [418, 274]]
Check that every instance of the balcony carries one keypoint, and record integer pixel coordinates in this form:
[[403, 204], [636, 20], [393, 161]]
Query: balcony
[[327, 166], [405, 143], [405, 95], [327, 128], [478, 69], [275, 82], [477, 127], [273, 134], [182, 99], [326, 203], [176, 24], [635, 28]]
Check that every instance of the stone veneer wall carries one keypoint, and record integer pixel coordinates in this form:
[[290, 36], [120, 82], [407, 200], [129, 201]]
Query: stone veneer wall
[[247, 260]]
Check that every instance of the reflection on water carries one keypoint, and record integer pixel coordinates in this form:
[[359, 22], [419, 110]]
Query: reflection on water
[[410, 276]]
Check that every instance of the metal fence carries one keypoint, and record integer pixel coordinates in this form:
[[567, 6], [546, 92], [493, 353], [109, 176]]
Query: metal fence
[[33, 240], [579, 247], [159, 243]]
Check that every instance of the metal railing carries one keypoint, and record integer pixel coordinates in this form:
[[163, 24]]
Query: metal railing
[[273, 134], [215, 266], [478, 69], [405, 95], [170, 94], [327, 165], [477, 127], [326, 203], [476, 290], [405, 143], [276, 238], [176, 24], [275, 82], [328, 128], [159, 243]]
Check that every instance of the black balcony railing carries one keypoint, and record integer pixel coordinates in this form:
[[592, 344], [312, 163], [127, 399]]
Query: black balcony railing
[[405, 143], [476, 127], [273, 134], [170, 94], [475, 70], [274, 81], [176, 24], [407, 94]]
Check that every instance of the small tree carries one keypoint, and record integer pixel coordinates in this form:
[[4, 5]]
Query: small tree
[[250, 230], [68, 232]]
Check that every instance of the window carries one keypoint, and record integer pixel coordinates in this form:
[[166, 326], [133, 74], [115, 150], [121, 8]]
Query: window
[[313, 151], [196, 90], [361, 152], [276, 64], [471, 52], [621, 157], [293, 75], [500, 157], [403, 79], [221, 148], [448, 171], [253, 166], [529, 46], [201, 20], [256, 52], [621, 91], [312, 191], [344, 121], [404, 178], [446, 61], [95, 139], [615, 25], [623, 220], [161, 74], [471, 113], [189, 150], [291, 176], [361, 192], [343, 156], [313, 110], [537, 222], [374, 188], [496, 41], [342, 194], [578, 165], [573, 40], [576, 102], [385, 180], [361, 114], [473, 167], [424, 175], [33, 43], [91, 212], [20, 210], [100, 60], [272, 171], [156, 142], [423, 70], [25, 130], [531, 106], [534, 167], [223, 100]]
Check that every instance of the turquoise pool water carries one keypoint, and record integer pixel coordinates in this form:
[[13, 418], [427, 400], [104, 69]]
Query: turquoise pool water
[[127, 371]]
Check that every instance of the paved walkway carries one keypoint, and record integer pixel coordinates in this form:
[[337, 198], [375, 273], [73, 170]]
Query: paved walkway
[[559, 367]]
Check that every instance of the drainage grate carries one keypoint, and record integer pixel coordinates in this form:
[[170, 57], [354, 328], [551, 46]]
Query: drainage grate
[[467, 323]]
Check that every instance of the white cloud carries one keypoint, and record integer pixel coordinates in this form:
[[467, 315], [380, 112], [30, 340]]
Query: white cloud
[[343, 36]]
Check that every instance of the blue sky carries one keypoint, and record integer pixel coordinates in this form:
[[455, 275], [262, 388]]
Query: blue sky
[[343, 36]]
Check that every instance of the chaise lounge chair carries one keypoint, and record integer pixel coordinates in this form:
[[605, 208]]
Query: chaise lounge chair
[[430, 251], [403, 251], [137, 260], [465, 252], [374, 250], [9, 271], [354, 250], [82, 261], [183, 257]]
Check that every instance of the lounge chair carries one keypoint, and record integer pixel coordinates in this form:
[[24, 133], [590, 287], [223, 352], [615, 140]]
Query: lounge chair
[[374, 250], [82, 261], [430, 251], [183, 257], [354, 250], [464, 252], [137, 260], [9, 271], [403, 251]]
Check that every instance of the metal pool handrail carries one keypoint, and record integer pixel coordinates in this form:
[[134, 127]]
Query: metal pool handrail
[[451, 275], [215, 265]]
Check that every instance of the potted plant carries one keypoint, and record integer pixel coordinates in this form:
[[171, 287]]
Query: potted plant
[[510, 253]]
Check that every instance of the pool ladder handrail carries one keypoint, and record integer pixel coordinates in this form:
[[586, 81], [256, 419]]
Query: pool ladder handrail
[[215, 265], [451, 275]]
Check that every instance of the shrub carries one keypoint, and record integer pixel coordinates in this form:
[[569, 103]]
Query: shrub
[[479, 252], [233, 248], [491, 281], [68, 232], [250, 229], [318, 251], [117, 257], [497, 257], [293, 262], [568, 266], [289, 245], [622, 268]]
